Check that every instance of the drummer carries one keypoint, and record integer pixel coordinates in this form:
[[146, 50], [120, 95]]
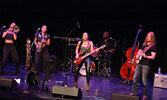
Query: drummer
[[108, 50]]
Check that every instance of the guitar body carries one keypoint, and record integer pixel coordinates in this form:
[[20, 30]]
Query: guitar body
[[32, 78], [130, 63], [77, 61]]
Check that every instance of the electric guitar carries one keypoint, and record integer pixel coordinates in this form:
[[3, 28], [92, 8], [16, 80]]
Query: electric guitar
[[77, 61], [139, 54]]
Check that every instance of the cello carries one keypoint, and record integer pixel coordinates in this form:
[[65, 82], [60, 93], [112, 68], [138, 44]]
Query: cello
[[128, 68]]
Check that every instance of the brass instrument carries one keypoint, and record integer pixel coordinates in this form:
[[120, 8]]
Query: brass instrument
[[16, 29], [39, 48], [28, 53]]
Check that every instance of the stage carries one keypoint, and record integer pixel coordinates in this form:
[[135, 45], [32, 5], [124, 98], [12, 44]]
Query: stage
[[101, 88]]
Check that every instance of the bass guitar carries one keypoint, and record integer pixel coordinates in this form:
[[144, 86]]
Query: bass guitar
[[77, 61]]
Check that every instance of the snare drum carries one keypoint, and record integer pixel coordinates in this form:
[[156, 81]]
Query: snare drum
[[82, 71]]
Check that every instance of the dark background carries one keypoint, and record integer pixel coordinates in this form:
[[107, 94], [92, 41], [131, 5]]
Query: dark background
[[120, 17]]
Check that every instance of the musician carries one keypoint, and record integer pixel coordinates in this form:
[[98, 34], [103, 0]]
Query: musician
[[145, 63], [83, 47], [42, 38], [10, 35], [108, 50]]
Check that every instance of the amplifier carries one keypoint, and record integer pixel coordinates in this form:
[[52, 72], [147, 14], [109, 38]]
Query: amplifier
[[160, 80]]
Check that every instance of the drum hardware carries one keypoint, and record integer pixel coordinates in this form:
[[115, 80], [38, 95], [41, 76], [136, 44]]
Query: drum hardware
[[104, 66], [82, 70], [44, 85]]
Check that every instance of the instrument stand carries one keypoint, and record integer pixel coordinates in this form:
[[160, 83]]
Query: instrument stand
[[106, 70], [44, 85], [127, 81], [66, 48]]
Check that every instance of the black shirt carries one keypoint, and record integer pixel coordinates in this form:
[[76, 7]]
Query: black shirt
[[145, 61], [39, 36], [110, 44]]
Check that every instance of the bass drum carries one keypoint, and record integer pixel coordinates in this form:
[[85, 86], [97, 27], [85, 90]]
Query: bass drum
[[32, 78], [82, 71]]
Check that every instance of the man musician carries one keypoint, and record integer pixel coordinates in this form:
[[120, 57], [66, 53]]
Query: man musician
[[107, 51]]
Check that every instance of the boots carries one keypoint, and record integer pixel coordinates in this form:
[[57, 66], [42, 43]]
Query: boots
[[87, 87]]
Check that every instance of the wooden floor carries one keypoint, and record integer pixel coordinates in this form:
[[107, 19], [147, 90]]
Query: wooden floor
[[101, 88]]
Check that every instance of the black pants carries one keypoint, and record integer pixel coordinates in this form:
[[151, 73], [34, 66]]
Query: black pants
[[87, 65], [44, 55], [10, 48]]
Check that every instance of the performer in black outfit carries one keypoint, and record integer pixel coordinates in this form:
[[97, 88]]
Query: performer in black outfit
[[85, 46], [10, 35], [42, 40], [108, 50], [145, 63]]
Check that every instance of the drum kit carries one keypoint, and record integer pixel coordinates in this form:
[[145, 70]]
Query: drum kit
[[97, 61]]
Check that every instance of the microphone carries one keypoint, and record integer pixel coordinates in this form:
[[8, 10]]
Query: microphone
[[78, 25], [3, 27], [38, 29]]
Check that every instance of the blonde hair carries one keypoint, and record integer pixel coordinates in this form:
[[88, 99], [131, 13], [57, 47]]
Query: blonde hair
[[153, 40]]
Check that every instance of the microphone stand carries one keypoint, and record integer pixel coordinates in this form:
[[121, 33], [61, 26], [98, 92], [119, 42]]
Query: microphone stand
[[66, 48]]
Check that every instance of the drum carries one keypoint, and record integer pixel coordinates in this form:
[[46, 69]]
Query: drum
[[82, 71]]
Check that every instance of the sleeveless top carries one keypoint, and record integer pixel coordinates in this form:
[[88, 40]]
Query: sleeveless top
[[87, 49]]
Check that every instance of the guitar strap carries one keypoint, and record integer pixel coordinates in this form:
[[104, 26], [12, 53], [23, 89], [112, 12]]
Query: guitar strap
[[88, 45], [147, 48]]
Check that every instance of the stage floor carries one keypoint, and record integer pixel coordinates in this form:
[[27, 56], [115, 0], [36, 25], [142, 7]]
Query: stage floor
[[101, 88]]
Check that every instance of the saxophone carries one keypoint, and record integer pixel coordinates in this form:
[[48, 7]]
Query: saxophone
[[39, 47], [28, 53]]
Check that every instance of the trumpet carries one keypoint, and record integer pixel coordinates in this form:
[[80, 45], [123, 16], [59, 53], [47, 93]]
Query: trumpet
[[16, 29]]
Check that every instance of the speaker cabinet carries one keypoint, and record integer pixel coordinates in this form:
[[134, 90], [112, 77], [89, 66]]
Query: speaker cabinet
[[160, 80], [123, 97], [52, 63], [67, 92], [11, 83]]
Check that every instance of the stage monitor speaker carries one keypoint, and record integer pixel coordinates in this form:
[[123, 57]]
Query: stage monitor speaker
[[11, 83], [123, 97], [160, 80], [66, 92]]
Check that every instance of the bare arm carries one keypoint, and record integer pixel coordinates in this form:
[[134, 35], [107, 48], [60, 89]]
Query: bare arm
[[77, 48], [35, 41], [15, 36], [4, 33], [48, 42]]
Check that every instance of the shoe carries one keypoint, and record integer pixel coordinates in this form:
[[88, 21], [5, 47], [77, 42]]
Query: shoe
[[131, 94], [144, 98], [87, 87], [75, 85], [124, 82]]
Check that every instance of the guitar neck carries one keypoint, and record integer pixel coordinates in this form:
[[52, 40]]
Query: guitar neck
[[88, 54]]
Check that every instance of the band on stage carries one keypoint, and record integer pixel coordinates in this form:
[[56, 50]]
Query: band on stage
[[139, 60]]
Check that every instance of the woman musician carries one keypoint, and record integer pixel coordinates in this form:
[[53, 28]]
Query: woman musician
[[147, 52], [10, 35], [42, 40], [85, 46]]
